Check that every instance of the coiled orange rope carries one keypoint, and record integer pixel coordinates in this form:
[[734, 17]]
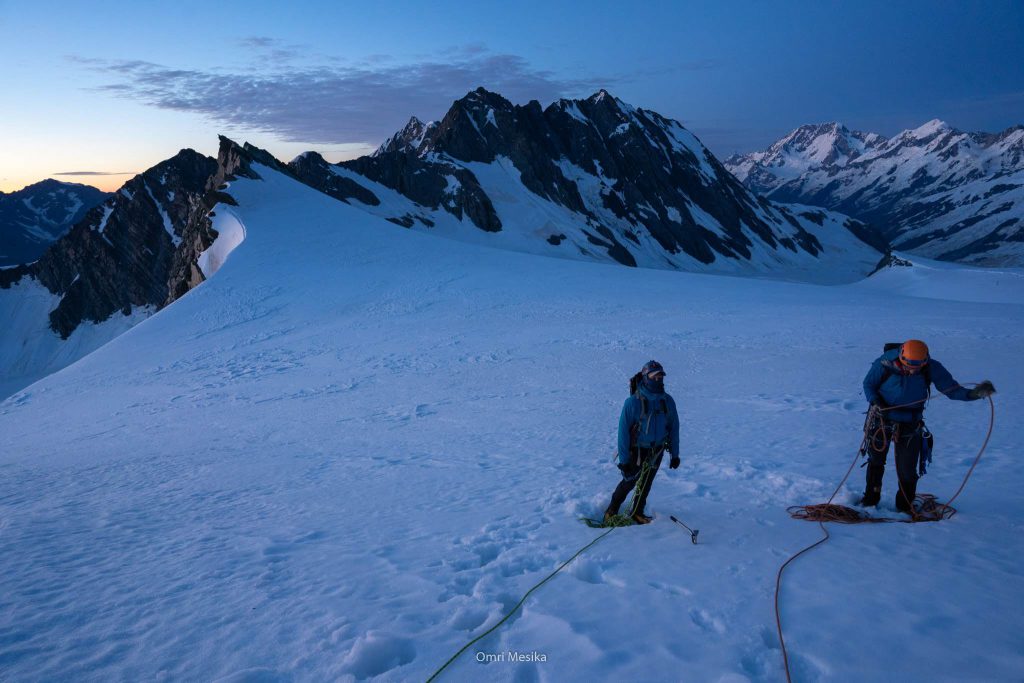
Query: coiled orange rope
[[928, 510]]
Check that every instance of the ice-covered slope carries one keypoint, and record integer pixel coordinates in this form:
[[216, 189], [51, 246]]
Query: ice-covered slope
[[934, 190], [347, 454]]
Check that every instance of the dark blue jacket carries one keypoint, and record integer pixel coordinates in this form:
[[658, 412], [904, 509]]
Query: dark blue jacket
[[656, 427], [901, 389]]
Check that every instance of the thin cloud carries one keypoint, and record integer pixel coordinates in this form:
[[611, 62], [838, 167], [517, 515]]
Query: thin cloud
[[328, 103], [97, 173]]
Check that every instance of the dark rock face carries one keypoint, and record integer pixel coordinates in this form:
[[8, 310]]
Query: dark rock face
[[34, 217], [124, 252], [407, 139], [436, 184], [313, 170], [655, 176], [141, 246], [890, 260]]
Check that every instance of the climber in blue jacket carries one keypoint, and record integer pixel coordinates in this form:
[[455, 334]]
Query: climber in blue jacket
[[897, 386], [648, 426]]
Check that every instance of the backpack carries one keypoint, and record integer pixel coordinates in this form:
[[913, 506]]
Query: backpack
[[634, 390], [926, 372]]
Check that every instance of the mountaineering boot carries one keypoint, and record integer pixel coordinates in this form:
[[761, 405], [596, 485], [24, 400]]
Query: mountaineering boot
[[609, 517], [641, 518], [873, 485], [905, 503], [871, 498]]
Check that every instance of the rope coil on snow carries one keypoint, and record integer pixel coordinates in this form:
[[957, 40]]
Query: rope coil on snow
[[930, 511]]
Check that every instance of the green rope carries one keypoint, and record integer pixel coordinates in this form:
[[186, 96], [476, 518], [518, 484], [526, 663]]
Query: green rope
[[618, 520], [517, 606], [641, 482], [614, 522]]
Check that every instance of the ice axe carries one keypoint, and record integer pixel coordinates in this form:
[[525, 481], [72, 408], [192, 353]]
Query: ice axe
[[693, 532]]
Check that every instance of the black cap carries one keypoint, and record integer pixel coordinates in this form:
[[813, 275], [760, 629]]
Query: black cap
[[652, 366]]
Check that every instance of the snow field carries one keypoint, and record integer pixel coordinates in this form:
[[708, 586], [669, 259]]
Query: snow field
[[346, 455]]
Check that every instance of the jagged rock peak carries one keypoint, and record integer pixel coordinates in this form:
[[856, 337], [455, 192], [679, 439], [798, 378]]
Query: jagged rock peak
[[237, 160], [483, 97], [408, 139], [603, 98]]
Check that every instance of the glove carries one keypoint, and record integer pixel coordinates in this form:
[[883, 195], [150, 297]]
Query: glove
[[674, 462], [629, 470], [983, 390]]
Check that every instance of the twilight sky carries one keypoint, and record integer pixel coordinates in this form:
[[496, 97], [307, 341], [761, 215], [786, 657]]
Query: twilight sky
[[94, 91]]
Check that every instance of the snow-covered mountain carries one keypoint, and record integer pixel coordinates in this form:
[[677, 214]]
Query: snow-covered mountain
[[595, 178], [128, 257], [934, 190], [32, 218], [355, 447]]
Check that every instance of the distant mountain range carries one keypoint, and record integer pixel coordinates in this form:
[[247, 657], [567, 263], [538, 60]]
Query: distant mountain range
[[32, 218], [934, 190]]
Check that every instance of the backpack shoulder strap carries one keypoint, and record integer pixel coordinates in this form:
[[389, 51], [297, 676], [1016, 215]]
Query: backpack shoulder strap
[[926, 373]]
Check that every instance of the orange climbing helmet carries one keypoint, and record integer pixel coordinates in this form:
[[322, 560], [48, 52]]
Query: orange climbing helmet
[[914, 353]]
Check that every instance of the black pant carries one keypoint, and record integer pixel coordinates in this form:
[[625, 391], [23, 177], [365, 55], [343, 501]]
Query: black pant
[[627, 484], [907, 440]]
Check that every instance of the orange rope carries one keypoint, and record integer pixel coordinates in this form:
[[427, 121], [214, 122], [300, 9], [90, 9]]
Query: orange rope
[[929, 509]]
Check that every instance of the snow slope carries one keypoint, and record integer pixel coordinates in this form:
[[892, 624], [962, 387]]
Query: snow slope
[[34, 350], [345, 455], [528, 219], [927, 279]]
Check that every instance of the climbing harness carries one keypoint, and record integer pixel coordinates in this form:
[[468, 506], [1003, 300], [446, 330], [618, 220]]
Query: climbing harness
[[927, 510]]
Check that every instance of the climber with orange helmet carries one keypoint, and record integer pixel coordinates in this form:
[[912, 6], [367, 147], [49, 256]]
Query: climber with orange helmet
[[897, 387]]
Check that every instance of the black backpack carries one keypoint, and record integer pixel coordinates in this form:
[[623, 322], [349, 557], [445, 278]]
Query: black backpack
[[634, 390]]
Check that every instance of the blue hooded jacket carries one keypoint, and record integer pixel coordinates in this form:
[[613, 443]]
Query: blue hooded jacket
[[654, 429], [900, 389]]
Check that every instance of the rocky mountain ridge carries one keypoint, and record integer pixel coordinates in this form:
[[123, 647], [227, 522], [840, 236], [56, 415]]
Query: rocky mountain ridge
[[627, 184]]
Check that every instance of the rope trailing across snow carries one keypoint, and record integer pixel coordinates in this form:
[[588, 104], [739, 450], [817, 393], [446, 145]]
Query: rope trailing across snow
[[930, 511], [517, 605], [614, 523]]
